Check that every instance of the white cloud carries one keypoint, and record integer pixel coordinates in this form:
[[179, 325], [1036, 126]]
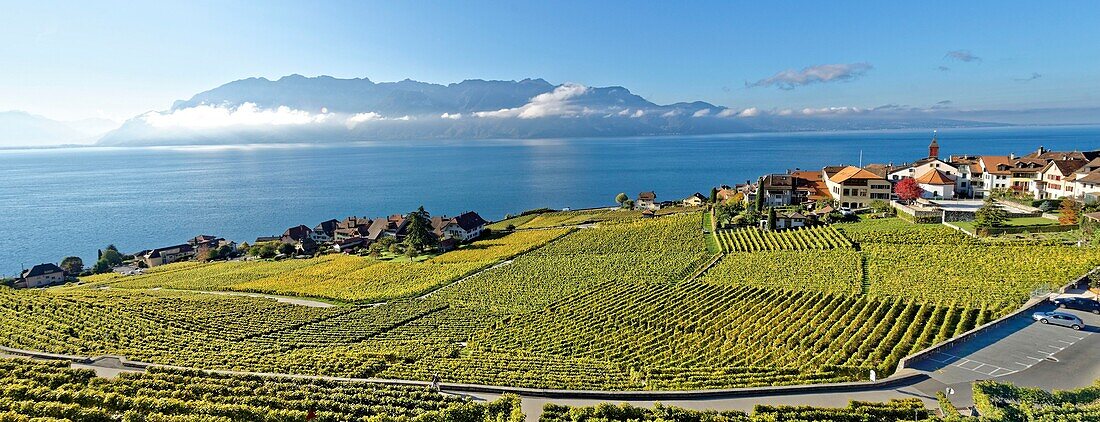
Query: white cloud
[[625, 112], [247, 114], [671, 113], [831, 110], [638, 114], [455, 116], [404, 118], [785, 112], [790, 78], [358, 118], [555, 103], [701, 113], [749, 112]]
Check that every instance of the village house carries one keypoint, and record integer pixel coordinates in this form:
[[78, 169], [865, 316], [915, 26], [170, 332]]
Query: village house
[[970, 175], [785, 189], [1057, 179], [812, 180], [725, 193], [41, 275], [996, 174], [695, 200], [1086, 181], [937, 184], [923, 166], [324, 231], [205, 242], [853, 187], [351, 227], [168, 255], [467, 226], [394, 226], [646, 201], [786, 220], [350, 244]]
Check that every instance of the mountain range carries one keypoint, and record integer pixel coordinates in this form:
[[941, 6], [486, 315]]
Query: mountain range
[[318, 109], [296, 108], [19, 128]]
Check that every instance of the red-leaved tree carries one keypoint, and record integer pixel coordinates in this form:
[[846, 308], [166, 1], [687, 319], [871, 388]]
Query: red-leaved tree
[[908, 190]]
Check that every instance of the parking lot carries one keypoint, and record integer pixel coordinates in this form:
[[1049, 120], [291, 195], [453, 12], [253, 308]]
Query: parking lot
[[1012, 347]]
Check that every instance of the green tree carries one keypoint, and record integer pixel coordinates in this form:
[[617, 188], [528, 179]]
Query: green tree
[[989, 215], [101, 266], [111, 255], [713, 195], [771, 219], [287, 248], [419, 234], [72, 265], [724, 213], [621, 198]]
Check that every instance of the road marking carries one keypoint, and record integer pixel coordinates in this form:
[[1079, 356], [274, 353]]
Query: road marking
[[1023, 365], [1066, 342]]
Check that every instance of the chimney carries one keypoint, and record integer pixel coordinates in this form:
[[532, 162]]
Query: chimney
[[1012, 156]]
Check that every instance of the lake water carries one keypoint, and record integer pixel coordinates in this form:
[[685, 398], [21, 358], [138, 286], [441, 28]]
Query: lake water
[[62, 202]]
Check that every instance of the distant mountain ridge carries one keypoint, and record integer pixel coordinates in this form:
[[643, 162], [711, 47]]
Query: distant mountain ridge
[[19, 128], [297, 108]]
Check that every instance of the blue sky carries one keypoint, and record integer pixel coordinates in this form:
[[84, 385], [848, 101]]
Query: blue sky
[[71, 60]]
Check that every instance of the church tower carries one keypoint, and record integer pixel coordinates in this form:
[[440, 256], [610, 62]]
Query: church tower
[[934, 147]]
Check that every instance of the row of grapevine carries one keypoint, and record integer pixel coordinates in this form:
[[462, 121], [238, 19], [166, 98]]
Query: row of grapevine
[[738, 336], [833, 271], [51, 390], [892, 411], [1001, 276], [805, 238], [341, 277]]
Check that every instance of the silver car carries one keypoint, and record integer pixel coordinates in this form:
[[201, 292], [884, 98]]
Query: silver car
[[1059, 318]]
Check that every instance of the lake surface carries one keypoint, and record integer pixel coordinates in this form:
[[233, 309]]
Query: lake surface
[[62, 202]]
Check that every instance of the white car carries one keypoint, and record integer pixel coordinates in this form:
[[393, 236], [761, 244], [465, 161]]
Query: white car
[[1059, 318]]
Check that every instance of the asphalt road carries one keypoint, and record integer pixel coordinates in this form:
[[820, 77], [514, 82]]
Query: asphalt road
[[1021, 351]]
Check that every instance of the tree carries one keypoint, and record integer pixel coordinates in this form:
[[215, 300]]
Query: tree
[[111, 256], [908, 190], [724, 213], [713, 195], [621, 198], [760, 195], [881, 206], [1068, 212], [628, 204], [287, 248], [72, 265], [989, 215], [771, 219], [101, 267], [419, 235]]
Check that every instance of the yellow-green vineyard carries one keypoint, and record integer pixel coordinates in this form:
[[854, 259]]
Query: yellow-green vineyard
[[611, 305]]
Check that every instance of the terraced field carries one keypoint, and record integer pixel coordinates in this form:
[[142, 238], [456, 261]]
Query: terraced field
[[612, 306], [753, 239]]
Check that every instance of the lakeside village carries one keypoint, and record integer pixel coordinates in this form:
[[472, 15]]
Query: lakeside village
[[982, 195]]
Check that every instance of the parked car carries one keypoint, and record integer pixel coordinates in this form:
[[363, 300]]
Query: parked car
[[1078, 303], [1059, 318], [845, 211]]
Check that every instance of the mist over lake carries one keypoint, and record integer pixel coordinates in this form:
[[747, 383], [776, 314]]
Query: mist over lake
[[59, 202]]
